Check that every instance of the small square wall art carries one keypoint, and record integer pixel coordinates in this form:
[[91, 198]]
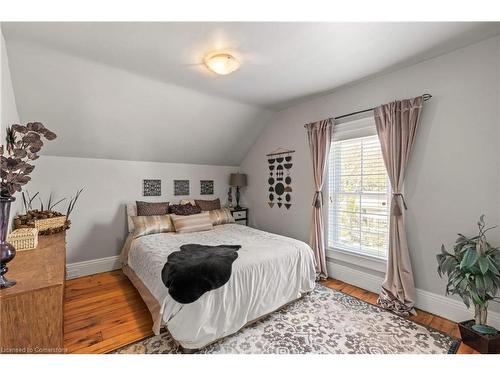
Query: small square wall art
[[206, 187], [181, 187], [151, 188]]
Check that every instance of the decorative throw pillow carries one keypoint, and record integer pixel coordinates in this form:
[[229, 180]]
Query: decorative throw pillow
[[188, 201], [145, 225], [222, 216], [208, 205], [192, 223], [184, 209], [149, 208]]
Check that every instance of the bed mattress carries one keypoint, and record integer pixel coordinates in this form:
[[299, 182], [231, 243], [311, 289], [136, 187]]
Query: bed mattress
[[271, 271]]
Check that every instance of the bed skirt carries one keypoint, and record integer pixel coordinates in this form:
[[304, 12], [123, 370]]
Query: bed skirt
[[147, 297], [154, 307]]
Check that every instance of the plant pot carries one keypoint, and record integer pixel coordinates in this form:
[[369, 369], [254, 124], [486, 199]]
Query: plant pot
[[47, 222], [486, 344]]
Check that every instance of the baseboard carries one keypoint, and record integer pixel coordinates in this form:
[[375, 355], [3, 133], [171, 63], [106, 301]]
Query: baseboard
[[90, 267], [440, 305], [354, 277]]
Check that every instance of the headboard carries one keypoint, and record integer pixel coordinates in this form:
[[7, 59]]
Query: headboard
[[131, 211]]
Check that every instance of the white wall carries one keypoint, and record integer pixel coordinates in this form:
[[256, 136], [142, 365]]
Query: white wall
[[453, 175], [8, 107], [99, 220]]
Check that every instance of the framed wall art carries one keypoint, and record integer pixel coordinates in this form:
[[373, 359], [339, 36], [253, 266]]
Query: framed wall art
[[181, 187], [151, 188], [206, 187]]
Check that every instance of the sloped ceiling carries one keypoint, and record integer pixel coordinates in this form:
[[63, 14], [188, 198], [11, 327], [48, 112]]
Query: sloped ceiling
[[100, 111], [137, 91]]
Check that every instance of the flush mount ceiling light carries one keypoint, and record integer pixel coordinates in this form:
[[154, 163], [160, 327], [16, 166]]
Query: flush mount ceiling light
[[221, 63]]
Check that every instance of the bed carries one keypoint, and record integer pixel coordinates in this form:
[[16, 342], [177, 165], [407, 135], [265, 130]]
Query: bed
[[270, 272]]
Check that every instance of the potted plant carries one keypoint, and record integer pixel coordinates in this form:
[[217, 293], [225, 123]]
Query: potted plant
[[21, 147], [473, 271], [46, 219]]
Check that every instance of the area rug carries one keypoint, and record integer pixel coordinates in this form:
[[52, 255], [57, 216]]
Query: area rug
[[324, 321]]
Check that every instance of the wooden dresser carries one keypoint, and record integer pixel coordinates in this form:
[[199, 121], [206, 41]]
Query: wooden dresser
[[31, 312]]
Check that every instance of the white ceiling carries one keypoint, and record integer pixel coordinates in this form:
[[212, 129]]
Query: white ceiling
[[137, 91], [281, 62]]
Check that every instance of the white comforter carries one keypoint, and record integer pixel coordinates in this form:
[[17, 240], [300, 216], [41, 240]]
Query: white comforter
[[270, 271]]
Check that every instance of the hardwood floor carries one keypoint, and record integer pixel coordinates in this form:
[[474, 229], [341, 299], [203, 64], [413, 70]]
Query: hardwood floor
[[104, 312]]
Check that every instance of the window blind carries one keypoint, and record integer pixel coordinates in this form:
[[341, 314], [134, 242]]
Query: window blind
[[359, 191]]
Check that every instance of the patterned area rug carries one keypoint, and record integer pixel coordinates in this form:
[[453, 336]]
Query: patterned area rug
[[324, 321]]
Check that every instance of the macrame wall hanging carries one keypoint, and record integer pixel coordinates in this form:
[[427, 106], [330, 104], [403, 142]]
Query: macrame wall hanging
[[279, 180]]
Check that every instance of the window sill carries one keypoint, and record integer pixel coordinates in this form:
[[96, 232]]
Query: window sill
[[361, 260]]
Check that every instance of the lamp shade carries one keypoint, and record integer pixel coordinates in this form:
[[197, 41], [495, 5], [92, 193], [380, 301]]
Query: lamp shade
[[238, 179]]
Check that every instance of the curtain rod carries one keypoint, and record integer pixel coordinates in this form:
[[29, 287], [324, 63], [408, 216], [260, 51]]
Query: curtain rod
[[425, 97]]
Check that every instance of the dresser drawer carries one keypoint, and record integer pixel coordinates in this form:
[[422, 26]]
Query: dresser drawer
[[31, 312], [240, 215]]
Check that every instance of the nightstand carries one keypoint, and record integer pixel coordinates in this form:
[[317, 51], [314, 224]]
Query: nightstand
[[240, 215]]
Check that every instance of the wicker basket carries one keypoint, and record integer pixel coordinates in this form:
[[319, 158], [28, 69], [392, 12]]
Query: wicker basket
[[50, 223], [24, 238]]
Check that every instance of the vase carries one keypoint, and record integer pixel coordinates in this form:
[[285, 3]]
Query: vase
[[7, 251]]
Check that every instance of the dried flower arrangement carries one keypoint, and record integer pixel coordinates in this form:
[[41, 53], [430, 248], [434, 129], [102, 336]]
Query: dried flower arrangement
[[45, 219], [22, 145]]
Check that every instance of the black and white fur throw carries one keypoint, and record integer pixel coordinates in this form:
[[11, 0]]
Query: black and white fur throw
[[197, 269]]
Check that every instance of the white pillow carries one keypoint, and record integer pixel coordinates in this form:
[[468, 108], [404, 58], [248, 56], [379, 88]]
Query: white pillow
[[188, 201], [131, 211]]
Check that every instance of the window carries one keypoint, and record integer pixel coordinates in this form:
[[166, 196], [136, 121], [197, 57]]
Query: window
[[359, 191]]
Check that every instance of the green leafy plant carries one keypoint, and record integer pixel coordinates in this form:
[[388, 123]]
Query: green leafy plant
[[46, 211], [28, 200], [473, 272], [72, 203]]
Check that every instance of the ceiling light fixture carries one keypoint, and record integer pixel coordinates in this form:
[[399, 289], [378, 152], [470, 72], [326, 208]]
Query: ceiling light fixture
[[221, 63]]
